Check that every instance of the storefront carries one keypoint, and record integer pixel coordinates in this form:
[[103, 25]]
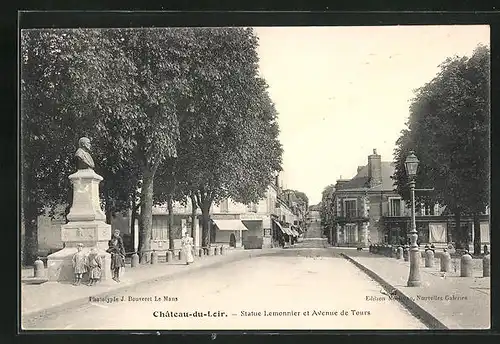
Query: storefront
[[228, 232]]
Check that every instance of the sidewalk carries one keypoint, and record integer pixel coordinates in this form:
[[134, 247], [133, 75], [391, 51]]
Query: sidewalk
[[442, 302], [37, 300]]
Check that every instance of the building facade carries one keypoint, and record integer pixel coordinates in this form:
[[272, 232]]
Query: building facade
[[366, 209]]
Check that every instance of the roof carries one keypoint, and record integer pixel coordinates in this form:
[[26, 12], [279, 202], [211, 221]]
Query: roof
[[360, 182]]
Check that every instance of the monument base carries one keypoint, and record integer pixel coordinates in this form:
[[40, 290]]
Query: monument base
[[60, 265]]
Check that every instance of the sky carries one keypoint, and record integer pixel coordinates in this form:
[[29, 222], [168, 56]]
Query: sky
[[341, 92]]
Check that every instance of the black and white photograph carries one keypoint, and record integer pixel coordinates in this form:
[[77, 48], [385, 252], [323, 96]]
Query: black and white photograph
[[255, 178]]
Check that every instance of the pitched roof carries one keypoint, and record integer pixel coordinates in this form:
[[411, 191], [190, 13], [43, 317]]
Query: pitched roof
[[360, 182]]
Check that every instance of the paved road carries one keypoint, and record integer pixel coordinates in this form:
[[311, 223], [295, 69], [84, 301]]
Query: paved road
[[295, 288]]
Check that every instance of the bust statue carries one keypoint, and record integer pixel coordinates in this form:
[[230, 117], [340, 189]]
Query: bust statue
[[83, 158]]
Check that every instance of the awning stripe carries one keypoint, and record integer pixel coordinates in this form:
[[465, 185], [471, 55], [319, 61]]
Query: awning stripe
[[230, 225], [279, 225]]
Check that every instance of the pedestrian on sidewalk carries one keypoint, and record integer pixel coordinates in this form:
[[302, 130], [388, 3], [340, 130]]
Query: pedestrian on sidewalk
[[94, 266], [282, 241], [79, 264], [117, 251], [187, 247]]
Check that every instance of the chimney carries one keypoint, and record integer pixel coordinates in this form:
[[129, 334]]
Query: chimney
[[374, 169], [360, 168]]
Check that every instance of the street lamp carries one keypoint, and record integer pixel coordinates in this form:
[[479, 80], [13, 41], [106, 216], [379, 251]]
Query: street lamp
[[411, 165]]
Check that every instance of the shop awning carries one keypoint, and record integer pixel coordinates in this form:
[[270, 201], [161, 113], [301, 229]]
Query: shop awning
[[230, 225], [294, 232], [298, 229], [288, 231], [279, 225]]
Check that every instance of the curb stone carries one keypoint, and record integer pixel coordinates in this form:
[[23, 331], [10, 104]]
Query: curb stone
[[427, 318], [29, 317]]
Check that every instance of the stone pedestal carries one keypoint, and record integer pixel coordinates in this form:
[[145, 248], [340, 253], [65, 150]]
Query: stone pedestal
[[86, 205], [86, 226]]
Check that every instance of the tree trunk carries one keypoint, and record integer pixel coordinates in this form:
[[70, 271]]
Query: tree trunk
[[170, 208], [30, 251], [107, 206], [146, 216], [477, 234], [459, 237], [205, 234], [133, 217], [194, 206]]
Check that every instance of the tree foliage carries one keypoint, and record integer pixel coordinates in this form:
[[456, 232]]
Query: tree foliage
[[181, 110], [448, 129], [117, 87], [229, 145], [326, 207], [59, 70]]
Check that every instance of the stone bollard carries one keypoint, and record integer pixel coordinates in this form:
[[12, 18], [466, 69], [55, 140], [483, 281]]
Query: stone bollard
[[200, 252], [39, 268], [466, 265], [210, 251], [445, 261], [406, 254], [181, 255], [135, 260], [399, 254], [486, 265], [429, 258], [170, 256], [154, 257], [144, 258], [216, 251], [394, 252]]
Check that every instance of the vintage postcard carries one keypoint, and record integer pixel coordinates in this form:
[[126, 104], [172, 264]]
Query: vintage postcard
[[255, 178]]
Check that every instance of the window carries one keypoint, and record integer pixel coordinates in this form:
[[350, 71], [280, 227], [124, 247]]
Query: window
[[252, 207], [159, 228], [224, 206], [350, 209], [394, 207]]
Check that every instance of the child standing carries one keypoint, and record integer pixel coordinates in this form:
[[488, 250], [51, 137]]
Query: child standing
[[95, 266], [79, 263]]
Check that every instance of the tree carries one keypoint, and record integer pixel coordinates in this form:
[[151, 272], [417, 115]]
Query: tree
[[150, 130], [326, 209], [170, 187], [117, 86], [448, 130], [229, 145], [57, 66]]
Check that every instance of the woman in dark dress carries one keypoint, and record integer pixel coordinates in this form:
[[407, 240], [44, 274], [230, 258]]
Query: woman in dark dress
[[117, 251]]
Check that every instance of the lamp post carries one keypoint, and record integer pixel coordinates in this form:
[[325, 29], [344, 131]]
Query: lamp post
[[411, 165]]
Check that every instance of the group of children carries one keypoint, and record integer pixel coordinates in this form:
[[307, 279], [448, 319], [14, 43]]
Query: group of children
[[83, 263], [92, 263]]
